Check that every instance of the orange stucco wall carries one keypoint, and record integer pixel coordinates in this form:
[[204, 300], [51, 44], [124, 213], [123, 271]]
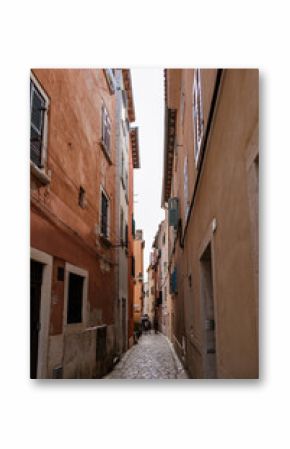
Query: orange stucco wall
[[59, 226]]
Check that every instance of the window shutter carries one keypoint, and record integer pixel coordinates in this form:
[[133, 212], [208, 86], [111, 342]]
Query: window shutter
[[36, 125], [122, 226], [104, 223], [106, 129], [103, 123], [126, 236], [185, 174], [173, 212], [110, 80], [108, 134], [197, 113]]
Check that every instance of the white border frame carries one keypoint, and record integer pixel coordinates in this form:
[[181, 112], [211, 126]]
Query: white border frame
[[45, 303]]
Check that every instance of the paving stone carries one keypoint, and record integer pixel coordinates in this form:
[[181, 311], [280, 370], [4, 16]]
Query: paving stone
[[153, 357]]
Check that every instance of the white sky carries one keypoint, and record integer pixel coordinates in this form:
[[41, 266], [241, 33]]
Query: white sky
[[148, 92]]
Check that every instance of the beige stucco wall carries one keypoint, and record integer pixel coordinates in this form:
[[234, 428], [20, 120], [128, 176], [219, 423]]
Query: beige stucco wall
[[227, 192]]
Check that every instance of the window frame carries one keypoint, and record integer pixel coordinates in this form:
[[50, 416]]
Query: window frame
[[103, 192], [185, 187], [106, 125], [82, 200], [122, 227], [41, 171], [111, 80], [69, 268], [198, 119]]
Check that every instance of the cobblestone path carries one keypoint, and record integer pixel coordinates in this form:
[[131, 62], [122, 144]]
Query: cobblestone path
[[153, 357]]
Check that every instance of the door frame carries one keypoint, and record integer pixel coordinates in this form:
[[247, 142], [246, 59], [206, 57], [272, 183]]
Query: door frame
[[206, 241], [45, 303]]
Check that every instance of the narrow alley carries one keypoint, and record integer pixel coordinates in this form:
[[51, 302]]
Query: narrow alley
[[152, 358], [144, 217]]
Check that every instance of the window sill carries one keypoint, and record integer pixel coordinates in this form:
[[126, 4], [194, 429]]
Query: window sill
[[106, 152], [40, 174]]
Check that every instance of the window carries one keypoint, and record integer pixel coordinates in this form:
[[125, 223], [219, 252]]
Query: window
[[126, 236], [82, 198], [75, 298], [126, 184], [38, 123], [125, 99], [133, 227], [182, 108], [122, 169], [133, 267], [122, 226], [106, 130], [104, 215], [197, 114], [185, 186], [110, 80]]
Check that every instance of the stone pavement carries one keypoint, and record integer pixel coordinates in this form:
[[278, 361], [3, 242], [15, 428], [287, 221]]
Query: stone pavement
[[153, 357]]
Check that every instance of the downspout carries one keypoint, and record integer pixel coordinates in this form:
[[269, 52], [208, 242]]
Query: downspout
[[203, 150]]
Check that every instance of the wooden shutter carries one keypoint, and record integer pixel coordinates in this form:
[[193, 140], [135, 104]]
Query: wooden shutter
[[106, 129], [126, 236], [108, 134], [185, 180], [36, 125], [197, 112], [104, 221]]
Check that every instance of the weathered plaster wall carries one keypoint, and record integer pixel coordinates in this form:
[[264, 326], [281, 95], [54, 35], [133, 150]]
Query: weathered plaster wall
[[59, 226], [224, 194]]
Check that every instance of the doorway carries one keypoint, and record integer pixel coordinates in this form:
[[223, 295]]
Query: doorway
[[207, 299], [36, 271], [124, 325]]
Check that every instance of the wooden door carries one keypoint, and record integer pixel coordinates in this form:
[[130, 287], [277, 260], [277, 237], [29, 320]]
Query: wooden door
[[36, 269]]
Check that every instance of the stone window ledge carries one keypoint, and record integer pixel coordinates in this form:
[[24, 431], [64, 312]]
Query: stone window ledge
[[40, 174]]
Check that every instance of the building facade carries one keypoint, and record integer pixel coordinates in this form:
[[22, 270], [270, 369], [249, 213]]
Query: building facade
[[210, 187], [162, 278], [139, 245], [125, 115], [134, 162], [75, 205], [151, 291]]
